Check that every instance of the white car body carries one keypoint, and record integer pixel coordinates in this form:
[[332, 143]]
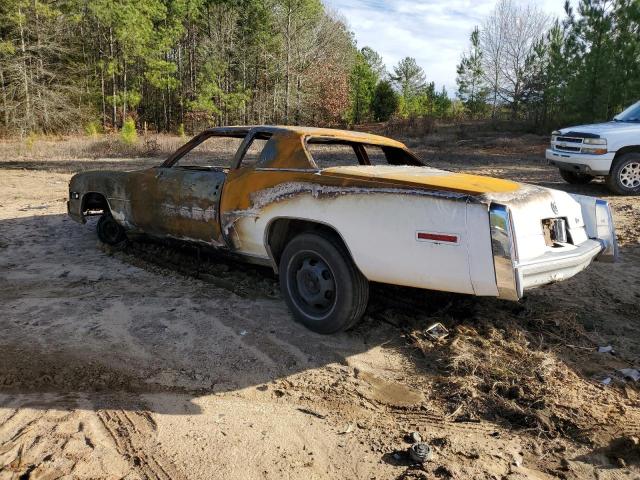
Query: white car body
[[484, 259]]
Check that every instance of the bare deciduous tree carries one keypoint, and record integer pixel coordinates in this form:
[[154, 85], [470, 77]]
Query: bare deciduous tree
[[508, 38]]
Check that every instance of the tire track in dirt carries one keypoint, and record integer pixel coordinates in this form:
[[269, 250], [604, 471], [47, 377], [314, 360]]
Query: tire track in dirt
[[133, 433]]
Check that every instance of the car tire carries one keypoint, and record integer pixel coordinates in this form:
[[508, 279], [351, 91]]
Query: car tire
[[575, 178], [110, 231], [624, 178], [322, 286]]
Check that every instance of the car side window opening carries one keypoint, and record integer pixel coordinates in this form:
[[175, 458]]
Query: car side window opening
[[216, 152], [253, 153], [331, 153]]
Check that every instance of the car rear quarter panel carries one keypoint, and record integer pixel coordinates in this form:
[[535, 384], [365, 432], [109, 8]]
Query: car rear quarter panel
[[379, 226]]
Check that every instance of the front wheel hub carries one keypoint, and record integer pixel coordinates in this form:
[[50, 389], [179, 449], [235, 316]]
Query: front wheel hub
[[315, 284], [630, 175]]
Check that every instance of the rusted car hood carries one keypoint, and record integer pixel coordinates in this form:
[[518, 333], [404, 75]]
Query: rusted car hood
[[426, 177]]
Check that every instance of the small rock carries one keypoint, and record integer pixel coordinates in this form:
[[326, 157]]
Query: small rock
[[443, 472], [515, 392]]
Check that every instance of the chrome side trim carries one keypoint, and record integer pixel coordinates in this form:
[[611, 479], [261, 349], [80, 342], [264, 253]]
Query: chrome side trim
[[503, 248], [605, 232]]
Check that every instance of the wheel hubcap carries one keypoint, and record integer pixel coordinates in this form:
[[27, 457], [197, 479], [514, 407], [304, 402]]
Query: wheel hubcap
[[630, 175], [314, 284]]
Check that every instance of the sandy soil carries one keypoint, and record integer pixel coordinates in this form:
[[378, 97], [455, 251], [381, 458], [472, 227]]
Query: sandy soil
[[147, 363]]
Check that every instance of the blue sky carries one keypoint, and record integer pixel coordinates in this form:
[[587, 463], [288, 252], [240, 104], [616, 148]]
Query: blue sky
[[434, 32]]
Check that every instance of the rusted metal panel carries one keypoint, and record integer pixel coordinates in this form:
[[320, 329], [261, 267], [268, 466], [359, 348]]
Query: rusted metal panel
[[177, 203]]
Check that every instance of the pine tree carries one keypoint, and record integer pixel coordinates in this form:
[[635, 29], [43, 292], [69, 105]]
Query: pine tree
[[409, 77], [385, 101], [363, 83], [472, 90]]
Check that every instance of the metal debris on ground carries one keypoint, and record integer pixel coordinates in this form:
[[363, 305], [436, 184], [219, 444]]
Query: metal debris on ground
[[631, 373], [349, 429], [607, 349], [420, 452], [311, 412], [415, 437], [606, 381], [437, 331]]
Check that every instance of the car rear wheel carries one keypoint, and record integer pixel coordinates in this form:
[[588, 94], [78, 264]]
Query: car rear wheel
[[624, 178], [321, 285], [110, 231], [575, 178]]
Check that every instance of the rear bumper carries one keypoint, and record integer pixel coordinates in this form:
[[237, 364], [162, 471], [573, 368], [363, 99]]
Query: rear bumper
[[555, 267], [513, 277], [578, 162]]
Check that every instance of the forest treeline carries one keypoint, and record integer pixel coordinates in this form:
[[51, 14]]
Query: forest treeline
[[584, 67], [176, 65]]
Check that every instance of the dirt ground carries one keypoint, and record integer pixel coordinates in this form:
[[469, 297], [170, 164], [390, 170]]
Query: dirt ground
[[149, 362]]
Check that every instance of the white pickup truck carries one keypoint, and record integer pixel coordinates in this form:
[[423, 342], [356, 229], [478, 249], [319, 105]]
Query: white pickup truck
[[610, 149]]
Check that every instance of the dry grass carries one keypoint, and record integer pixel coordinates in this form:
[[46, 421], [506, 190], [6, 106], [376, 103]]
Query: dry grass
[[76, 147], [410, 127]]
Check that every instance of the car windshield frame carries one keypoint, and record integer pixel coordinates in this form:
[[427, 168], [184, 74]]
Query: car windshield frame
[[630, 114]]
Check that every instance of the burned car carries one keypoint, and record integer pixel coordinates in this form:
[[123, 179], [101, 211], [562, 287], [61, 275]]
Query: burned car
[[333, 210]]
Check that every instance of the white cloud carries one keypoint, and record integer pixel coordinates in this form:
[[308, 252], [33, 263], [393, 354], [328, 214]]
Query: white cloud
[[434, 32]]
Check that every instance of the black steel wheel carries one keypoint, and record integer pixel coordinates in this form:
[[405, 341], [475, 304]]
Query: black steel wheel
[[110, 231], [321, 285]]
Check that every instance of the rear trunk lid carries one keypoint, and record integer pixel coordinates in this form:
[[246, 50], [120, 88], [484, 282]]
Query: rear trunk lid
[[425, 177]]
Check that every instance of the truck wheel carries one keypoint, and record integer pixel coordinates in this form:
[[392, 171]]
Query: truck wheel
[[321, 285], [624, 178], [110, 231], [575, 178]]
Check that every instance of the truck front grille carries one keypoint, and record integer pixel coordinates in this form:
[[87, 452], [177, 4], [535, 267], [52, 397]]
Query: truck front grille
[[568, 144]]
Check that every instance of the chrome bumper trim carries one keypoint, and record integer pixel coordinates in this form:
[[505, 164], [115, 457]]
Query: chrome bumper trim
[[605, 232], [503, 249]]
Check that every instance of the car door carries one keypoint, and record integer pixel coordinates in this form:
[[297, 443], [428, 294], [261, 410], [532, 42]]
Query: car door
[[181, 200]]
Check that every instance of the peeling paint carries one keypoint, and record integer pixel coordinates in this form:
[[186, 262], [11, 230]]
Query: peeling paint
[[193, 213]]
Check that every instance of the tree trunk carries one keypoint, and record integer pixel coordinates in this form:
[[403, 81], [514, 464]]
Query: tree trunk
[[288, 66], [40, 74], [5, 107], [104, 103], [25, 75], [124, 87], [114, 115]]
